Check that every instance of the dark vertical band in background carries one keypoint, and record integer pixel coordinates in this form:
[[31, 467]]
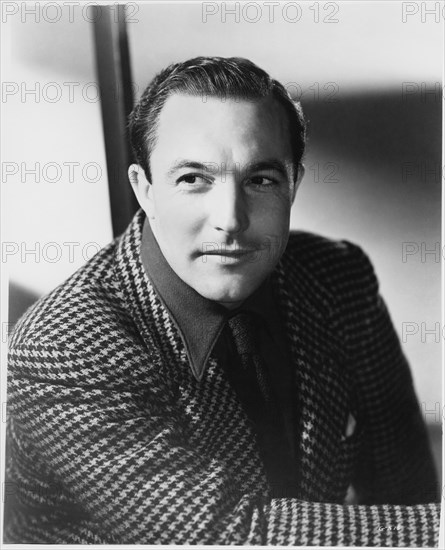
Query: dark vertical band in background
[[114, 79]]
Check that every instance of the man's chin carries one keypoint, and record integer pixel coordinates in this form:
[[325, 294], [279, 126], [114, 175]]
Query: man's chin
[[230, 298]]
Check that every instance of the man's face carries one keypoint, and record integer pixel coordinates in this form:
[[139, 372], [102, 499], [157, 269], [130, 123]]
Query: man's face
[[221, 193]]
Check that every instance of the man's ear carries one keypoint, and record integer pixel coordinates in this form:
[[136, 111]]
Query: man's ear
[[142, 189], [296, 184]]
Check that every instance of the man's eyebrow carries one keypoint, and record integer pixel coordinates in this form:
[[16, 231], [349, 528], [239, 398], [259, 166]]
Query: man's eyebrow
[[269, 164], [185, 163]]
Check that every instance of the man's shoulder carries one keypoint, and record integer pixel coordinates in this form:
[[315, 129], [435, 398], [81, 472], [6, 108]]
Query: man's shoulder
[[313, 248], [87, 302], [88, 331], [334, 268]]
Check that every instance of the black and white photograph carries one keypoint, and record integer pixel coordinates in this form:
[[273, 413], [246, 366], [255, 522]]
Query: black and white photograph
[[222, 260]]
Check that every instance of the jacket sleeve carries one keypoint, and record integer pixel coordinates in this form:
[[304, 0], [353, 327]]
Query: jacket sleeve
[[133, 479], [396, 464]]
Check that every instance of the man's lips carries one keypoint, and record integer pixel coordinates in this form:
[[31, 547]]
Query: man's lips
[[231, 253]]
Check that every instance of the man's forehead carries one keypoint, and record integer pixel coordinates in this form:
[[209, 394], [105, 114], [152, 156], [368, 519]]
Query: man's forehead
[[199, 128], [188, 105]]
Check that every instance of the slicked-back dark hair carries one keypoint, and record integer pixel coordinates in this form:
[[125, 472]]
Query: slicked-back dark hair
[[231, 77]]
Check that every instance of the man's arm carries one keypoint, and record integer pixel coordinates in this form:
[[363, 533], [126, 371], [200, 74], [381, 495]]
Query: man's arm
[[396, 465], [136, 480]]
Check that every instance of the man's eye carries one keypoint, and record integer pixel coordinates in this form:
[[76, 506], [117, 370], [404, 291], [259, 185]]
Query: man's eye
[[261, 181], [193, 179]]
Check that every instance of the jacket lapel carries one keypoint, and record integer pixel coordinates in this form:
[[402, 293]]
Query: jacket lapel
[[322, 387]]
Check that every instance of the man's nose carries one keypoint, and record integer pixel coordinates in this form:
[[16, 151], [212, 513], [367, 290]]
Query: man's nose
[[228, 208]]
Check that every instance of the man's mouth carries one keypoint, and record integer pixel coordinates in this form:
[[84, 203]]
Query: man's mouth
[[229, 254], [235, 253]]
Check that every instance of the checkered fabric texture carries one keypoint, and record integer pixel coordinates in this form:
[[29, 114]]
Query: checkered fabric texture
[[111, 439]]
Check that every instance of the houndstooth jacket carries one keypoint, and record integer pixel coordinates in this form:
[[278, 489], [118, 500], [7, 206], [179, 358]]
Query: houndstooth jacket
[[113, 440]]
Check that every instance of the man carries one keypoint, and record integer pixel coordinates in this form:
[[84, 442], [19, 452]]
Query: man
[[205, 379]]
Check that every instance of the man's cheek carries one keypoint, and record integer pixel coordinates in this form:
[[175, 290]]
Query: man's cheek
[[173, 220]]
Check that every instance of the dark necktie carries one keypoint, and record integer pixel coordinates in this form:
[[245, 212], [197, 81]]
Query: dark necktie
[[252, 382], [253, 371]]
